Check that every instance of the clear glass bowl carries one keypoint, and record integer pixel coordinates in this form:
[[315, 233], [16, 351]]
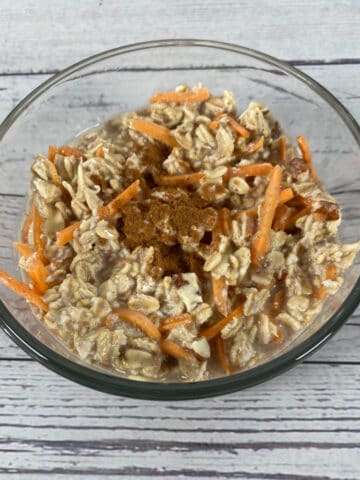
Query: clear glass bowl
[[123, 79]]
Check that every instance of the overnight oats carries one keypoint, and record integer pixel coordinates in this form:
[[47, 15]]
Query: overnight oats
[[180, 242]]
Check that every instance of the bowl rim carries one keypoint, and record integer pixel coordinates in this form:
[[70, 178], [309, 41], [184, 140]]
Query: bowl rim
[[179, 391]]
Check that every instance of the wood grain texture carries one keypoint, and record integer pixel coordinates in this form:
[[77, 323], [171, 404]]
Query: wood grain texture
[[297, 427], [304, 425], [40, 36]]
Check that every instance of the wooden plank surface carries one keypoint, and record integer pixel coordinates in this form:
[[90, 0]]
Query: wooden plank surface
[[301, 426], [304, 425], [43, 36]]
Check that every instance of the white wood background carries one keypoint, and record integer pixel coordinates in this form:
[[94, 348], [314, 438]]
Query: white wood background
[[304, 425]]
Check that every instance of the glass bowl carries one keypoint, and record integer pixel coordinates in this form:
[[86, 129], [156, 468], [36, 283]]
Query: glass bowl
[[123, 79]]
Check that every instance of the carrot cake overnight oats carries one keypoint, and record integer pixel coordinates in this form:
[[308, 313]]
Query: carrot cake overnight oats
[[179, 241]]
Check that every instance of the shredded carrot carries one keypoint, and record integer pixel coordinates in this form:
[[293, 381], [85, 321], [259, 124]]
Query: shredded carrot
[[291, 221], [23, 290], [28, 222], [175, 350], [177, 321], [66, 151], [160, 133], [319, 216], [221, 354], [219, 290], [261, 239], [54, 175], [253, 147], [52, 151], [211, 332], [120, 200], [236, 126], [107, 322], [23, 249], [282, 150], [181, 97], [36, 270], [306, 155], [286, 195], [214, 124], [281, 217], [225, 221], [39, 244], [331, 272], [253, 170], [321, 292], [182, 180], [140, 321], [65, 235], [38, 274], [100, 152]]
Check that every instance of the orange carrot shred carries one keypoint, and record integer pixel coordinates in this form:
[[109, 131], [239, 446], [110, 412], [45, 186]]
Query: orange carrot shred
[[123, 198], [291, 221], [175, 350], [28, 222], [181, 97], [215, 329], [306, 155], [219, 290], [100, 152], [177, 321], [39, 244], [319, 216], [36, 269], [38, 274], [261, 239], [225, 221], [214, 124], [281, 217], [236, 126], [54, 175], [182, 180], [252, 170], [23, 249], [286, 195], [66, 151], [139, 320], [107, 322], [65, 235], [282, 150], [321, 292], [23, 290], [52, 151], [331, 272], [253, 147], [221, 354], [160, 133]]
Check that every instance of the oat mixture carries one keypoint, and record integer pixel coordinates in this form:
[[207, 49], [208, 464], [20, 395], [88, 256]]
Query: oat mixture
[[180, 241]]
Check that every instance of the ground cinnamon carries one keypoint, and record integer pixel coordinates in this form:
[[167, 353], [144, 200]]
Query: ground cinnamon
[[168, 220]]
